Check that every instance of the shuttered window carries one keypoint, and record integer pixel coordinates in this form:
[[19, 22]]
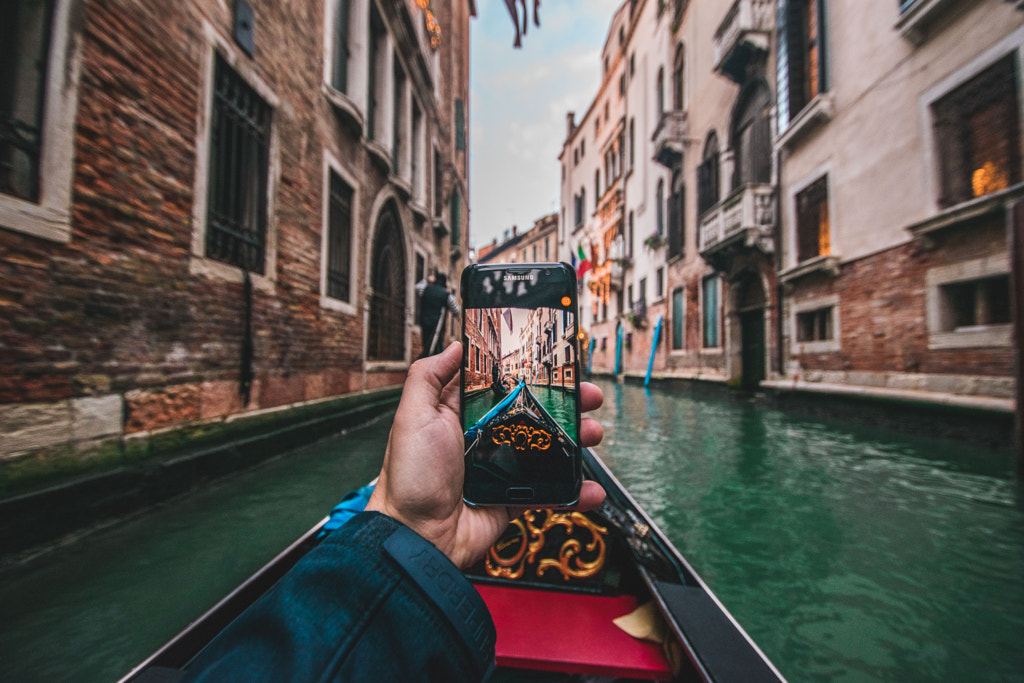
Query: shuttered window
[[812, 221], [24, 47], [800, 61], [977, 133]]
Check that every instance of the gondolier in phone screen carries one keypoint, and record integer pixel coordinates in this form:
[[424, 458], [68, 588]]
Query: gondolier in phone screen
[[435, 302]]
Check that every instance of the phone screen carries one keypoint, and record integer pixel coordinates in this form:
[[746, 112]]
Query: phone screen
[[520, 385]]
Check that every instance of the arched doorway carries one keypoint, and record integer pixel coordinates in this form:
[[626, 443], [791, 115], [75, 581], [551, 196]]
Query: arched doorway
[[386, 334], [749, 303]]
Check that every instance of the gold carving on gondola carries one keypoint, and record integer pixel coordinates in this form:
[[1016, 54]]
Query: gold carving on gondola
[[510, 558], [521, 437]]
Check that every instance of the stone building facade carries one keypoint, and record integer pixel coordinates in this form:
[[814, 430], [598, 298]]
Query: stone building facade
[[219, 208], [798, 208], [900, 157]]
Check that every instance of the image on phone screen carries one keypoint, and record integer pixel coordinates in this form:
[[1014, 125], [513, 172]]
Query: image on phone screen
[[520, 393]]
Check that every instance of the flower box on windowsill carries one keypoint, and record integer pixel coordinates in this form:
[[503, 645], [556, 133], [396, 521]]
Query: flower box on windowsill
[[654, 241]]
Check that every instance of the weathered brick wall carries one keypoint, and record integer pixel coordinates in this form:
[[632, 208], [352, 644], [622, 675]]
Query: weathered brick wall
[[116, 312], [883, 309]]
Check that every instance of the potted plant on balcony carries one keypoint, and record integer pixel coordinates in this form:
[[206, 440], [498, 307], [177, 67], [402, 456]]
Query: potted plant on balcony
[[655, 240]]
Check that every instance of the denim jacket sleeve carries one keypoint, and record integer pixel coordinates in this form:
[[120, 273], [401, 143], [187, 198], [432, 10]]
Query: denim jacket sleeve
[[373, 602]]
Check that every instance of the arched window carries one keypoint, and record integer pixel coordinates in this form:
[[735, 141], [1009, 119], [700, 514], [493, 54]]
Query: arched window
[[751, 136], [386, 332], [708, 186], [677, 78]]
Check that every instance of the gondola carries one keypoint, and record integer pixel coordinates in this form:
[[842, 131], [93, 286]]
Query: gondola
[[516, 425], [601, 594]]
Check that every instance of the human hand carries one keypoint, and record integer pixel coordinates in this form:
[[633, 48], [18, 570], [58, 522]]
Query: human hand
[[420, 483]]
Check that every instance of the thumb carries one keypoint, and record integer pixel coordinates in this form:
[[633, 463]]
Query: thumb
[[429, 376]]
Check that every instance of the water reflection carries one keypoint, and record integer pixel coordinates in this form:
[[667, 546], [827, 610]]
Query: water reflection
[[848, 553]]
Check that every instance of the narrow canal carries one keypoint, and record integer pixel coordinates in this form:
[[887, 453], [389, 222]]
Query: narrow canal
[[848, 553]]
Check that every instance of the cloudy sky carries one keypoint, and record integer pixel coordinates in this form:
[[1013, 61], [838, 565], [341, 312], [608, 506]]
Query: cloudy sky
[[518, 102]]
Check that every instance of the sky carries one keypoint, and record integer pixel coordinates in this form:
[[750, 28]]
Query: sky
[[518, 102]]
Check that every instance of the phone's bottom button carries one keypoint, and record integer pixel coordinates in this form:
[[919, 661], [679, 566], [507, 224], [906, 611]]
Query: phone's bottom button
[[519, 493]]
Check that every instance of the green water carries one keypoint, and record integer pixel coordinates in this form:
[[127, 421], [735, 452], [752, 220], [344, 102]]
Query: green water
[[849, 554]]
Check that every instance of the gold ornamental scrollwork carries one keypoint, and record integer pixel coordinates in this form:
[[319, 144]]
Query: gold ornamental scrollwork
[[573, 559], [521, 437]]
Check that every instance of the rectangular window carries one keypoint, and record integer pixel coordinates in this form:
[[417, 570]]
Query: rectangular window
[[339, 239], [339, 74], [814, 326], [678, 318], [378, 72], [659, 284], [24, 48], [438, 185], [417, 152], [421, 274], [398, 119], [629, 297], [977, 133], [975, 303], [239, 162], [677, 217], [642, 292], [800, 62], [460, 126], [710, 312], [456, 217], [812, 221]]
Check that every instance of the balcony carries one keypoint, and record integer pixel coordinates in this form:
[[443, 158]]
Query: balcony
[[744, 34], [670, 138], [743, 220]]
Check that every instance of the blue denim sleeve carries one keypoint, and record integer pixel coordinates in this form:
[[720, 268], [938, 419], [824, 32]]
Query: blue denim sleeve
[[373, 602]]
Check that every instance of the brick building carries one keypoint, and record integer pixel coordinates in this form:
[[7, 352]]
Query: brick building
[[213, 208]]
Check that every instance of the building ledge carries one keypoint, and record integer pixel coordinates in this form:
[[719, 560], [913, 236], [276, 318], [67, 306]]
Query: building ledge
[[828, 264], [966, 212], [346, 109], [380, 154], [818, 112], [441, 226], [916, 15], [403, 186], [984, 403]]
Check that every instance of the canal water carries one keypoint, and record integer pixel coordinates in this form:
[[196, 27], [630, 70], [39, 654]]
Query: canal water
[[848, 553], [559, 404]]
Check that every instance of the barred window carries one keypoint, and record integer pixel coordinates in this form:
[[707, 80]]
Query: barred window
[[339, 239], [709, 310], [977, 133], [24, 47], [239, 151]]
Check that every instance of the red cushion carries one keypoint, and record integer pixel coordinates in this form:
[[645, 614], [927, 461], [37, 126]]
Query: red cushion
[[569, 632]]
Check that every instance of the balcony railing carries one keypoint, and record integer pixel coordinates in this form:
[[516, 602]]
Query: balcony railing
[[670, 137], [745, 31], [744, 218]]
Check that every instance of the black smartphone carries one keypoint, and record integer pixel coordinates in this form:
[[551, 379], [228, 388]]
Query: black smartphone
[[520, 385]]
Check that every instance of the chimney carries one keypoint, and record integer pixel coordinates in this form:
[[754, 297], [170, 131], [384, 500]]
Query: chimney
[[515, 229], [570, 124]]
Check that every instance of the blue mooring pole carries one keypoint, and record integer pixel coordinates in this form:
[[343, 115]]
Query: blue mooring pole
[[590, 355], [654, 348], [618, 351]]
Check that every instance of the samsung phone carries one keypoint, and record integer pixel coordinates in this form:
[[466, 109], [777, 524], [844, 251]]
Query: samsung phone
[[520, 385]]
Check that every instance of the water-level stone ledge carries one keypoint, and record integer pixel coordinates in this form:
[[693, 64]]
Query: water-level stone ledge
[[987, 403]]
